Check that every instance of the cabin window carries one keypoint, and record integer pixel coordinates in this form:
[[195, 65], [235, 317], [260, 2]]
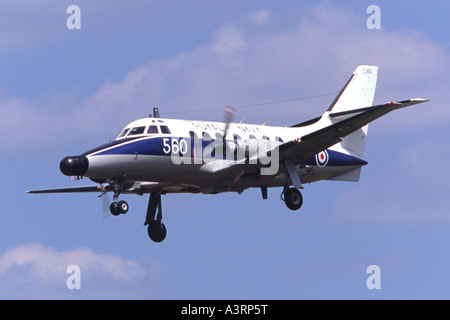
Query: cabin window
[[236, 137], [265, 138], [152, 129], [279, 139], [206, 136], [252, 137], [165, 129], [124, 133], [219, 136]]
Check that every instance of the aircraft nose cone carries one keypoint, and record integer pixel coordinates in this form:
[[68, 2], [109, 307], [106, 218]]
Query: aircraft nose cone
[[74, 166]]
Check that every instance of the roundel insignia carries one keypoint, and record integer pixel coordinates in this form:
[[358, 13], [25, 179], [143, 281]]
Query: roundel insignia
[[322, 158]]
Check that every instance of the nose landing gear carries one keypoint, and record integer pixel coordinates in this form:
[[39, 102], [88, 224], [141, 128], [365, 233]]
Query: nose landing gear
[[117, 208]]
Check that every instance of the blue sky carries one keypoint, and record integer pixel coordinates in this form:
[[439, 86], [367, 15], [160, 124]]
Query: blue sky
[[64, 91]]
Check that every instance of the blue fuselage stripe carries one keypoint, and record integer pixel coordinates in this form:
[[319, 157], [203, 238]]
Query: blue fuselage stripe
[[155, 146]]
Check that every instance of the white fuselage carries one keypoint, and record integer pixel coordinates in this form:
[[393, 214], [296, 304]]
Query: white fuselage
[[192, 154]]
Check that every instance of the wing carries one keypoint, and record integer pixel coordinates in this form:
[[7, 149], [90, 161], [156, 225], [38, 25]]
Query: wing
[[340, 125], [134, 188], [97, 188]]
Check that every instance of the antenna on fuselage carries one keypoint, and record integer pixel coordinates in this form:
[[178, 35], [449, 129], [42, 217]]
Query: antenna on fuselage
[[156, 113]]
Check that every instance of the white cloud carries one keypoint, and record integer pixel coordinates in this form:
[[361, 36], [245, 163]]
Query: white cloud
[[259, 17], [43, 269], [229, 40], [46, 262], [242, 65]]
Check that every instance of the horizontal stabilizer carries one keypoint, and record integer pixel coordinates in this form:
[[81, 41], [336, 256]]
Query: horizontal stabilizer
[[310, 144], [352, 176]]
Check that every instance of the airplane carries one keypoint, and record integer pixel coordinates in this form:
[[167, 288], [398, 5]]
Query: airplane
[[158, 156]]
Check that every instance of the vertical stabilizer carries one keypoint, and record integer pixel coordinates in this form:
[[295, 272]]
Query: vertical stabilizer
[[358, 92]]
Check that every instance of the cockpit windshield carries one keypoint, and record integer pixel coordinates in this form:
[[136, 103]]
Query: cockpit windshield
[[136, 130], [150, 130], [123, 133]]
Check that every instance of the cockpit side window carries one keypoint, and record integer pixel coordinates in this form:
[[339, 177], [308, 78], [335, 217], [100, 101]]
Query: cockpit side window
[[124, 133], [165, 129], [137, 130], [152, 129]]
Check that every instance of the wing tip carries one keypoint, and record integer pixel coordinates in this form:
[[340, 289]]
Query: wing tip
[[420, 100]]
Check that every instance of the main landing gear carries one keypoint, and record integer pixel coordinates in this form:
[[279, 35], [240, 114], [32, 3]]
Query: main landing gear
[[156, 229], [292, 197]]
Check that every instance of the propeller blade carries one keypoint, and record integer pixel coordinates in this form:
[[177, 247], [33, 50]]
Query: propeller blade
[[230, 112], [106, 202]]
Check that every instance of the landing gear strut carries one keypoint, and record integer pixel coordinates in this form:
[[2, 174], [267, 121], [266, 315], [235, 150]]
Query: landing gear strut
[[156, 229], [118, 207], [292, 197]]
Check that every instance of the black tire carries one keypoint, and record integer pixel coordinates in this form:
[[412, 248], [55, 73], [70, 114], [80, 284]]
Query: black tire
[[293, 198], [122, 207], [157, 231], [114, 209]]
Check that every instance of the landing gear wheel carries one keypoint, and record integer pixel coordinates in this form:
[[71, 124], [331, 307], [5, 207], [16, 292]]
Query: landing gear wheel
[[123, 207], [118, 208], [293, 198], [114, 209], [157, 231]]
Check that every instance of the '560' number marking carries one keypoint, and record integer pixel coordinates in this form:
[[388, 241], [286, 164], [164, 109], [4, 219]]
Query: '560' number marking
[[175, 146]]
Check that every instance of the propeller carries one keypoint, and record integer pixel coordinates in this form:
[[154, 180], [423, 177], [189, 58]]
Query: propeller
[[106, 200], [230, 112], [229, 116]]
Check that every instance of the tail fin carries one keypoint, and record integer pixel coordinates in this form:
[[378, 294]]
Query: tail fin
[[358, 93]]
